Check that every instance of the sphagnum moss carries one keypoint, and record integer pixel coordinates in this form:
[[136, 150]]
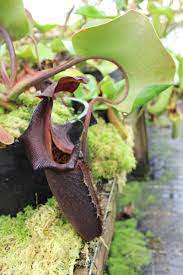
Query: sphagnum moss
[[110, 154], [16, 122], [38, 242]]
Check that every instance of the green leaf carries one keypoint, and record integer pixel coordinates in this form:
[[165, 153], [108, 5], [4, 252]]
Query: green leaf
[[68, 72], [148, 93], [28, 52], [68, 46], [105, 67], [80, 93], [131, 42], [111, 89], [57, 45], [161, 102], [88, 91], [121, 4], [154, 8], [91, 12], [92, 84], [44, 28], [108, 87], [13, 18], [159, 26], [44, 52], [180, 70], [156, 12]]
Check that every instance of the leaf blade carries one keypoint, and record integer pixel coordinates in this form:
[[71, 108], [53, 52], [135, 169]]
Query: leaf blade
[[131, 42]]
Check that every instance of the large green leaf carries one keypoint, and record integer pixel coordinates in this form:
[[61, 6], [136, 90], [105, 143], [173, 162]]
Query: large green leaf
[[13, 18], [130, 41]]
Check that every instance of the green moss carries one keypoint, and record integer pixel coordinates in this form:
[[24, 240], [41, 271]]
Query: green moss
[[15, 227], [1, 110], [132, 193], [28, 99], [16, 122], [60, 113], [110, 154], [129, 253], [38, 241]]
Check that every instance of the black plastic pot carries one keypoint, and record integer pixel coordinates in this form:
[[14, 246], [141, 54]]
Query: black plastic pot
[[19, 184]]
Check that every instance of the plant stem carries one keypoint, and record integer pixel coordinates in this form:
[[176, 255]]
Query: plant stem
[[29, 81], [4, 74], [118, 124], [11, 51], [68, 15], [32, 37]]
